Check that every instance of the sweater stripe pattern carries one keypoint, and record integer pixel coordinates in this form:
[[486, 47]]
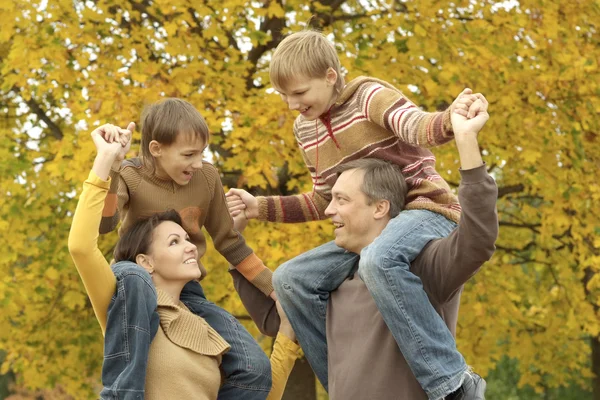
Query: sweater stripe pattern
[[371, 119]]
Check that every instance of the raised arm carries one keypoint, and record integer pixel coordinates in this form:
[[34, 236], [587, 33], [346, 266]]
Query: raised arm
[[387, 107], [118, 195], [446, 264], [97, 277]]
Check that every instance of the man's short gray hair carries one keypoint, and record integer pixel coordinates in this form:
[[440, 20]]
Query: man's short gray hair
[[382, 181]]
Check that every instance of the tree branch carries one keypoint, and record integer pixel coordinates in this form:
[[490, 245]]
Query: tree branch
[[506, 190], [37, 110]]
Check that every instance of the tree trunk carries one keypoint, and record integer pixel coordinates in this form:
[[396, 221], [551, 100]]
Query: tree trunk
[[301, 385], [596, 367]]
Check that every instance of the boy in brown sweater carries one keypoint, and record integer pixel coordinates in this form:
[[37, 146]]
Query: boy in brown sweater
[[170, 174], [340, 123]]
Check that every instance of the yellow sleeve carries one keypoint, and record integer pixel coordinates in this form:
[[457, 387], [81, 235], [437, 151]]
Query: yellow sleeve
[[283, 358], [98, 279]]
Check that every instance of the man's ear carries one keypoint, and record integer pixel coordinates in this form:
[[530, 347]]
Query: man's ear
[[145, 262], [331, 76], [382, 209], [155, 148]]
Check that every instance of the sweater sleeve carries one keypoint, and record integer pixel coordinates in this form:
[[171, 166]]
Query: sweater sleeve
[[297, 208], [98, 279], [283, 358], [446, 264], [229, 242], [390, 109], [115, 204]]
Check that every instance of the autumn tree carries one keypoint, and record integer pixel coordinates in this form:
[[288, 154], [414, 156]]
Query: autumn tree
[[67, 66]]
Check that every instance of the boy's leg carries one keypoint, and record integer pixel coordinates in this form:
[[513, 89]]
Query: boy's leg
[[246, 367], [261, 308], [132, 322], [421, 334], [302, 286]]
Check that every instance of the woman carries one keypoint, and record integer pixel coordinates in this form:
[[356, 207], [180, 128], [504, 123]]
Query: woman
[[184, 356]]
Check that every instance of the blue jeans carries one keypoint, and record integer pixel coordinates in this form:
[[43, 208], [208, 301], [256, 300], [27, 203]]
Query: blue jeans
[[133, 321], [303, 285]]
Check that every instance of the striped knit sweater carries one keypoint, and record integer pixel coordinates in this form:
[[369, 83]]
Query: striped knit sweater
[[135, 193], [371, 118]]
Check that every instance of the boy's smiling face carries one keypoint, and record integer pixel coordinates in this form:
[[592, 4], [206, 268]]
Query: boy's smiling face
[[179, 160], [311, 96]]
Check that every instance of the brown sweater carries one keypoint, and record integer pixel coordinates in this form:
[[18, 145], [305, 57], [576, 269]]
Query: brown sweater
[[371, 118], [364, 359], [135, 192]]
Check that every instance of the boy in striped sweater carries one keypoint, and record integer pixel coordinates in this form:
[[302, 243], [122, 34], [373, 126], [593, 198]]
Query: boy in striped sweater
[[339, 123]]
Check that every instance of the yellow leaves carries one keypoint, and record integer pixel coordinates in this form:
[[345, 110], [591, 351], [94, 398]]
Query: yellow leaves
[[275, 10], [74, 300], [52, 274], [420, 31]]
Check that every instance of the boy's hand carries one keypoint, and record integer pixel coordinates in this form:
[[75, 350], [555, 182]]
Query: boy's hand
[[470, 121], [124, 139], [107, 147], [239, 200], [240, 222]]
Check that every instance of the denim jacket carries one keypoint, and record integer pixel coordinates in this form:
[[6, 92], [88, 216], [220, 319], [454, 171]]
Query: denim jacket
[[131, 326]]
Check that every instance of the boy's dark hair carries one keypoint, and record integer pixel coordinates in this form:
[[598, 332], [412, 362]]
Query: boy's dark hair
[[165, 119], [137, 239], [383, 181]]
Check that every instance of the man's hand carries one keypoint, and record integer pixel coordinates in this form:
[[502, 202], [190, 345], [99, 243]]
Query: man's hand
[[469, 121], [463, 101], [466, 126], [239, 200]]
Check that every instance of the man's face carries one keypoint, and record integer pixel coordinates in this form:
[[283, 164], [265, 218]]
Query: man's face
[[351, 213], [311, 96]]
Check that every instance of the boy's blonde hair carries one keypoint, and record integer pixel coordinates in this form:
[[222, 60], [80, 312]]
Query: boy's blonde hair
[[164, 120], [307, 53]]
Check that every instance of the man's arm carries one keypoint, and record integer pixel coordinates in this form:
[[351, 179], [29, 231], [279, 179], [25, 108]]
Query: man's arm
[[446, 264]]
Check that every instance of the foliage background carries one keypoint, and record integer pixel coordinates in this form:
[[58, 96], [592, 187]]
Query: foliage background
[[529, 318]]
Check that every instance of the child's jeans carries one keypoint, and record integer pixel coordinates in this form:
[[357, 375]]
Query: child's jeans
[[133, 321], [303, 285]]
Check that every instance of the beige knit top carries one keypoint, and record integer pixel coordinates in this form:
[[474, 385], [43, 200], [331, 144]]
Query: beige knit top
[[184, 356]]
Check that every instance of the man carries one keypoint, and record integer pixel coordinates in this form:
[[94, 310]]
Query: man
[[363, 359]]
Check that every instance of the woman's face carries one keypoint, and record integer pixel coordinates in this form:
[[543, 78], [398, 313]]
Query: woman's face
[[174, 257]]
